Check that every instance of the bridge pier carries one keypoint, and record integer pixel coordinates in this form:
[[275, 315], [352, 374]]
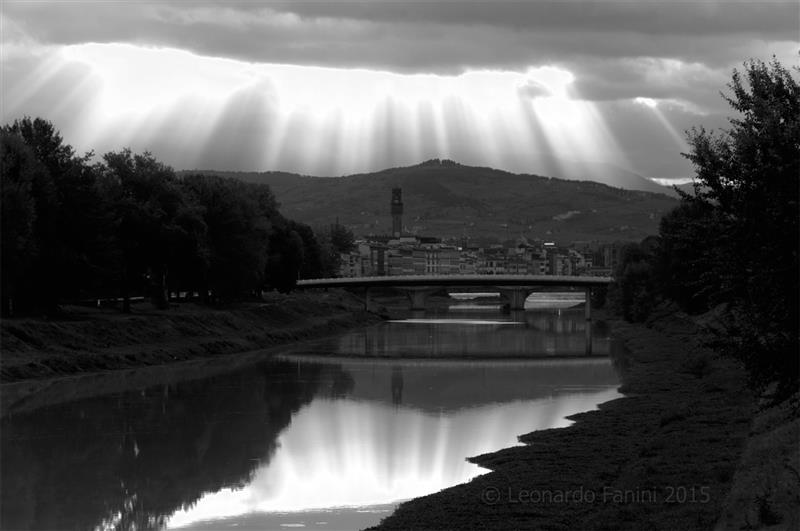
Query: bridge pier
[[418, 295], [367, 300], [516, 297], [588, 320]]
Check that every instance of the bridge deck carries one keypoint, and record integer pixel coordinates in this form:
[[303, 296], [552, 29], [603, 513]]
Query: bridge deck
[[456, 280]]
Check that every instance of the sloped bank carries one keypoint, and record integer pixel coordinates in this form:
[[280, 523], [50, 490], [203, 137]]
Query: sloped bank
[[665, 456], [95, 340]]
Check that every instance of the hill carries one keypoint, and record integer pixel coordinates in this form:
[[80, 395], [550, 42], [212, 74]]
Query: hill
[[447, 199], [601, 172]]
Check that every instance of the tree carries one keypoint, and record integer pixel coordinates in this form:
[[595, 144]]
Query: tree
[[285, 259], [72, 228], [632, 294], [342, 238], [312, 263], [155, 223], [70, 220], [333, 242], [239, 218], [19, 170], [748, 177], [686, 263]]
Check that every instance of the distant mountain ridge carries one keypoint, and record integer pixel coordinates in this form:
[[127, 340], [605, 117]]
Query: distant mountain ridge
[[601, 172], [446, 199]]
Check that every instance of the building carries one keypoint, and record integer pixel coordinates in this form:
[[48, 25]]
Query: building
[[400, 261], [558, 263], [468, 261], [494, 261]]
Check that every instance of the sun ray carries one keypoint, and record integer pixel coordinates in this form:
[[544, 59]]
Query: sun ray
[[329, 121], [654, 105]]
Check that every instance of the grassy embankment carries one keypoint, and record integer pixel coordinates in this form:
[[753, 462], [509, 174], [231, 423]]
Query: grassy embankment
[[90, 340], [688, 447]]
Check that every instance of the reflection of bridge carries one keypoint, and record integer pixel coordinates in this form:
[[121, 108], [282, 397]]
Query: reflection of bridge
[[514, 288]]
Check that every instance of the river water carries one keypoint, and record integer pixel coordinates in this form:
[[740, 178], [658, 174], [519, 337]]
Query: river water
[[330, 434]]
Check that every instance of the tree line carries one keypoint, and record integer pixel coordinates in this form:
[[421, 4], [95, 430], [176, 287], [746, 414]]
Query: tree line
[[128, 225], [732, 245]]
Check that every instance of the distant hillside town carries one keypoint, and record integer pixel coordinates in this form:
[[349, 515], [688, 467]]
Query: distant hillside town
[[401, 253]]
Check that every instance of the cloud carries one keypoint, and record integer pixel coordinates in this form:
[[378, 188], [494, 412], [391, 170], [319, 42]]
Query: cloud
[[678, 54], [438, 37], [534, 89], [616, 50], [651, 18]]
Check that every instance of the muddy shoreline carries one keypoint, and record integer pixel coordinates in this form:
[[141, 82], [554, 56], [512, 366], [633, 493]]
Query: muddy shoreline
[[686, 448]]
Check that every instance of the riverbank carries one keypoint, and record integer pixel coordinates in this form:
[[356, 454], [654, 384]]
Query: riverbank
[[90, 340], [686, 448]]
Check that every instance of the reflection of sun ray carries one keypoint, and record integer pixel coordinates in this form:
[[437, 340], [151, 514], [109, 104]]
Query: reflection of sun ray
[[346, 452]]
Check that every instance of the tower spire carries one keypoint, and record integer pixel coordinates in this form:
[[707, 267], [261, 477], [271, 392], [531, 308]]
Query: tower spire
[[397, 212]]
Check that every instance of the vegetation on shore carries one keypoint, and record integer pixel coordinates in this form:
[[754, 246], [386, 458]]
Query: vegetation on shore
[[732, 245], [128, 225], [93, 340]]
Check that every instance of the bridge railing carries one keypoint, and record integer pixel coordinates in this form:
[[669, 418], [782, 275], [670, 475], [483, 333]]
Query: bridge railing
[[456, 279]]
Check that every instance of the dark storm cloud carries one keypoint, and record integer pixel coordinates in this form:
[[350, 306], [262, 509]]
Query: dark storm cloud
[[646, 17], [441, 37]]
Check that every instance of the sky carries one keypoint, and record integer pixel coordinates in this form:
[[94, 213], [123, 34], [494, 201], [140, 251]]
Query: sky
[[339, 87]]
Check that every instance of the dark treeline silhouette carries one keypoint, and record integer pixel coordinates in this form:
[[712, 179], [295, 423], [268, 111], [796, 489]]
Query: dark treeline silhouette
[[732, 245], [127, 225]]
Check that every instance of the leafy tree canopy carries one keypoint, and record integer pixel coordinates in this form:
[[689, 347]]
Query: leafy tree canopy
[[735, 240]]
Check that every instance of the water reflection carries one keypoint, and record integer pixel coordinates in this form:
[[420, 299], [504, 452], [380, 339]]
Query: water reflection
[[374, 446], [479, 335], [134, 458], [292, 439]]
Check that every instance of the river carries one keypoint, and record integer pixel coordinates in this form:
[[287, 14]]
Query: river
[[329, 434]]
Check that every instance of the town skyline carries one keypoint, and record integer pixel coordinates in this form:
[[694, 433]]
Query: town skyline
[[398, 252]]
